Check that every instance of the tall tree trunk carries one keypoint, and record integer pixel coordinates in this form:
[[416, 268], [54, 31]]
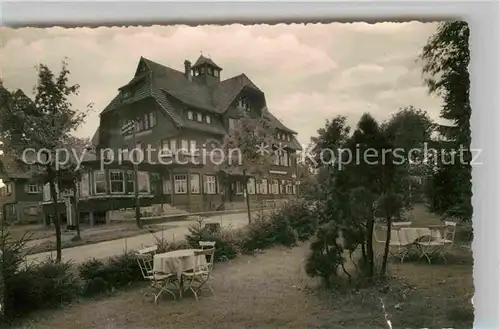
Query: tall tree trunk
[[247, 196], [386, 250], [56, 219], [77, 211], [369, 246]]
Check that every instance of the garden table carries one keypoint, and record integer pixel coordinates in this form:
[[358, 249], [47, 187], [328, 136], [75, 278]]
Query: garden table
[[177, 262]]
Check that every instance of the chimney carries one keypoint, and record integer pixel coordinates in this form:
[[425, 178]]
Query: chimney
[[187, 70]]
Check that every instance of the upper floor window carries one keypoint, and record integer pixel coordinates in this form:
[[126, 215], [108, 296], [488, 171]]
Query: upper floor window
[[34, 188], [244, 104], [216, 73], [199, 117], [126, 93], [208, 119], [210, 70], [190, 115], [146, 122]]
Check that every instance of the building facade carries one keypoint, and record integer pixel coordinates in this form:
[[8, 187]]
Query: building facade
[[21, 194], [188, 111]]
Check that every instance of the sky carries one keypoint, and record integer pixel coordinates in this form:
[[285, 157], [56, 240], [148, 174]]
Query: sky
[[308, 73]]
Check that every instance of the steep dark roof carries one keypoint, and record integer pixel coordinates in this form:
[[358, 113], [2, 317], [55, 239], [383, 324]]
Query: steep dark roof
[[11, 168], [204, 60], [168, 86]]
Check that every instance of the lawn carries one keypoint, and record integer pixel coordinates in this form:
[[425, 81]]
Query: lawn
[[271, 290]]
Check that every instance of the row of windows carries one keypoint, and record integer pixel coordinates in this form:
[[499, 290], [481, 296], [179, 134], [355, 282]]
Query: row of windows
[[211, 71], [283, 136], [172, 145], [264, 187], [28, 188], [120, 181], [284, 159], [181, 184], [147, 122], [200, 117]]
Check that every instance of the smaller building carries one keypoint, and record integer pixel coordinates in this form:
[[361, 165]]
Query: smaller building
[[21, 195]]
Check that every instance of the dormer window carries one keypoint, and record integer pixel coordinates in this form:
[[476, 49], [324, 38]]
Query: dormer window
[[190, 115], [126, 94], [210, 71], [216, 73]]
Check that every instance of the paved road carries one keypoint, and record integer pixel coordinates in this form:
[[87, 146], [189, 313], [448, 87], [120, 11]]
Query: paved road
[[174, 231]]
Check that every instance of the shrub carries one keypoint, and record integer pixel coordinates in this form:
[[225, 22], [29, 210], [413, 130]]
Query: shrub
[[48, 284], [299, 216], [122, 270], [326, 256], [118, 271], [225, 243], [267, 231]]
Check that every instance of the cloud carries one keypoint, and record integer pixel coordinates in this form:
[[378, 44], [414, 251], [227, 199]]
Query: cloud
[[309, 72]]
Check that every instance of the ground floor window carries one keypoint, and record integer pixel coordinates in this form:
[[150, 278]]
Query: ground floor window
[[99, 182], [32, 210], [239, 188], [143, 182], [282, 187], [180, 184], [251, 186], [155, 182], [84, 185], [167, 186], [210, 185], [116, 182], [11, 210], [263, 186], [275, 186], [195, 183], [130, 182]]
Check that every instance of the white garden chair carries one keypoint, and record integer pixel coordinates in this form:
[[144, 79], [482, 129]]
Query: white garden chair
[[198, 277], [399, 246], [159, 281], [431, 244], [449, 232], [148, 250]]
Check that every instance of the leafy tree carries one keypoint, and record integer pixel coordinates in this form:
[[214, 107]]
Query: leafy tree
[[409, 131], [446, 59], [45, 123], [247, 147]]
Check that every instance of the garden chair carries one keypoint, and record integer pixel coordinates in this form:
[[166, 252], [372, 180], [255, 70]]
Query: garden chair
[[449, 232], [398, 241], [159, 281], [148, 250], [198, 277], [430, 245]]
